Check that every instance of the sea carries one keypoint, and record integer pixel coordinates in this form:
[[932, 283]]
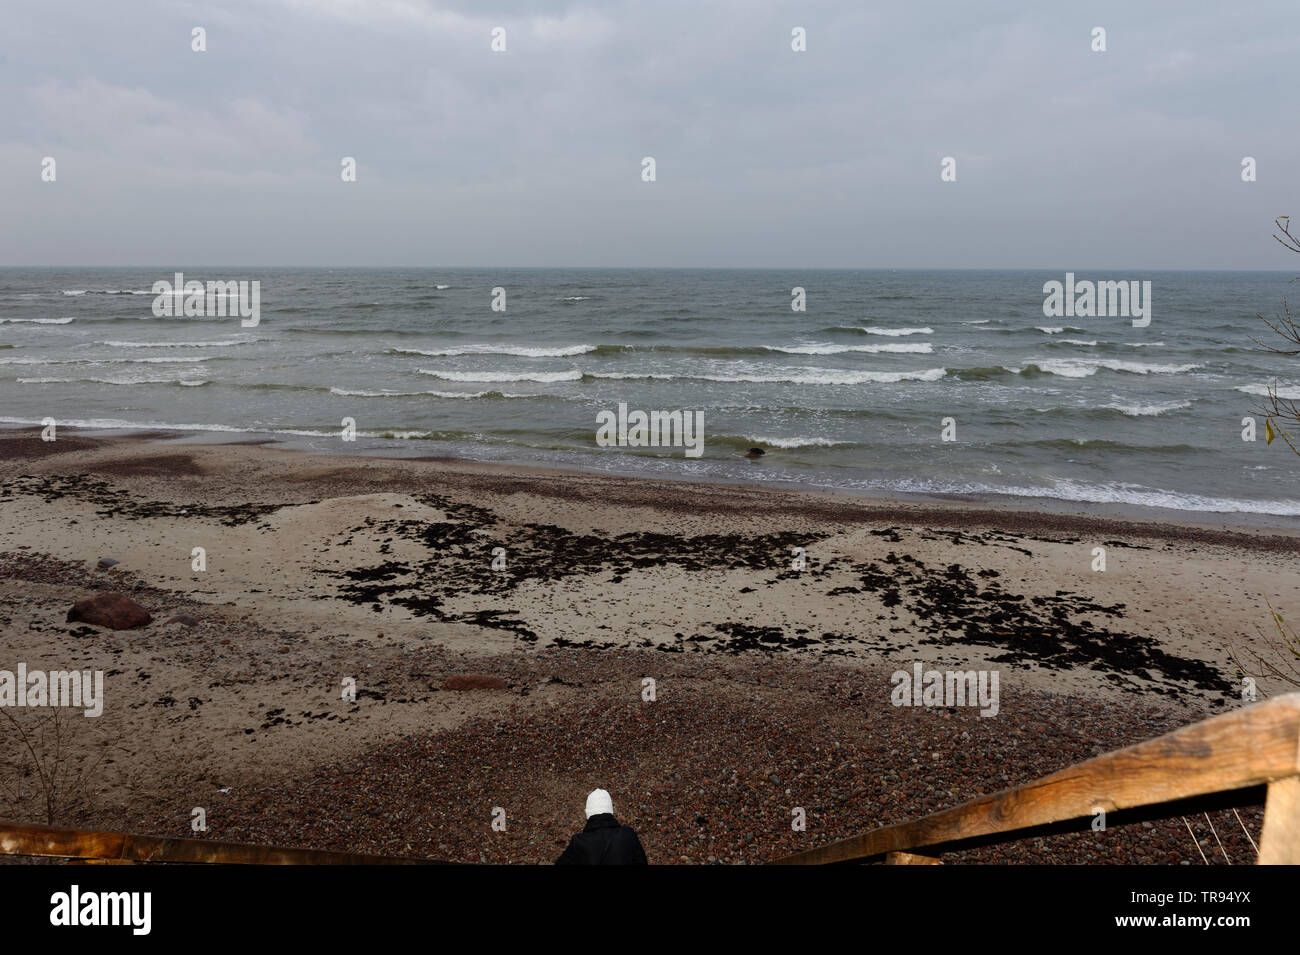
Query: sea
[[942, 384]]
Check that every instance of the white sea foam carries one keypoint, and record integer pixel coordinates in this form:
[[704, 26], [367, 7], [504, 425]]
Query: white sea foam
[[1085, 367], [802, 376], [1116, 493], [412, 394], [382, 394], [217, 344], [103, 361], [519, 351], [1060, 368], [481, 376], [37, 321], [919, 348], [1290, 392], [1121, 493], [188, 382], [1143, 368], [796, 442], [896, 332], [1142, 411], [115, 424], [1093, 342]]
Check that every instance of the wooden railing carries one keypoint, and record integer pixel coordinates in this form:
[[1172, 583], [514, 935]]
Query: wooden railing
[[1242, 758], [119, 848]]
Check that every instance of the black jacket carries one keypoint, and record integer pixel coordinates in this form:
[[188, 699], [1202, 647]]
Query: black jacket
[[604, 842]]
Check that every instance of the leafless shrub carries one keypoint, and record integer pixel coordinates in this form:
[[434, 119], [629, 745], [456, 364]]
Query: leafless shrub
[[57, 759]]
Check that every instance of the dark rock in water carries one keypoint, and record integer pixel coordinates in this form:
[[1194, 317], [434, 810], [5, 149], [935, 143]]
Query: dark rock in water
[[474, 681], [184, 619], [755, 453], [113, 610], [106, 562]]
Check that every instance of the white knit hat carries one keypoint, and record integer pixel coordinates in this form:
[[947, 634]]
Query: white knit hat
[[598, 802]]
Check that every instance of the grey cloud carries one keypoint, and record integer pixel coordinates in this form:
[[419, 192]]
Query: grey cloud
[[1066, 158]]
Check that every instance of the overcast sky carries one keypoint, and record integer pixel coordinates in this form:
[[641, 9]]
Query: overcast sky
[[1066, 158]]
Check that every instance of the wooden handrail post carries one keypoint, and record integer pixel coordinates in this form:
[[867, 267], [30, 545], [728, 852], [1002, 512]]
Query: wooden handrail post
[[1279, 844]]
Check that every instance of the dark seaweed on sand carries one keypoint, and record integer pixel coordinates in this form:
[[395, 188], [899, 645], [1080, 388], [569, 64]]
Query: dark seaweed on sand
[[957, 608], [460, 560]]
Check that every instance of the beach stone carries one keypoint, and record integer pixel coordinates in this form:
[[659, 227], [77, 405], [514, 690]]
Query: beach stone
[[184, 619], [474, 681], [113, 610], [106, 562]]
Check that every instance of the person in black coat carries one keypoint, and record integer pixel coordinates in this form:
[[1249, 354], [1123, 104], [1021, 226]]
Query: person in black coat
[[603, 841]]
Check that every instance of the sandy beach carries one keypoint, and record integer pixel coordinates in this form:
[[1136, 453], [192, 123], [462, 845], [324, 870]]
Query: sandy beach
[[769, 621]]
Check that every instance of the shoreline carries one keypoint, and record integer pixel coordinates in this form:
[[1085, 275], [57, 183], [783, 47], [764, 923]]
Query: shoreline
[[1043, 509]]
